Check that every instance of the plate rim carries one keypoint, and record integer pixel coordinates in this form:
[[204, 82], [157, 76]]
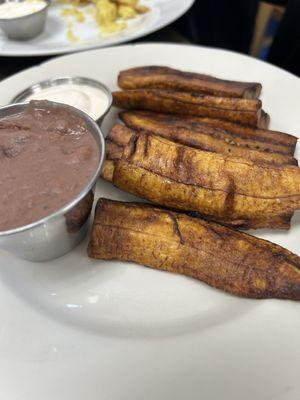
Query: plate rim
[[150, 44], [197, 358]]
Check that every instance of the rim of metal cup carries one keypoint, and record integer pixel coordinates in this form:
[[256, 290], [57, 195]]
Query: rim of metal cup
[[52, 82], [48, 2], [101, 146]]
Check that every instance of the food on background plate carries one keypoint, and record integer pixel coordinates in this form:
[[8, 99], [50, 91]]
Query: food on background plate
[[221, 257], [135, 5], [243, 111], [106, 17], [193, 133], [73, 12], [159, 77], [47, 157], [110, 15]]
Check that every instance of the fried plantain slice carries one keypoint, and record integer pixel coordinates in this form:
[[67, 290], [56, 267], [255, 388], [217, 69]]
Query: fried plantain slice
[[200, 136], [275, 141], [255, 138], [275, 222], [247, 112], [229, 260], [156, 77], [227, 189]]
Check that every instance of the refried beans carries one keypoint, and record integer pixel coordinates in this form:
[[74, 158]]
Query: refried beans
[[47, 156]]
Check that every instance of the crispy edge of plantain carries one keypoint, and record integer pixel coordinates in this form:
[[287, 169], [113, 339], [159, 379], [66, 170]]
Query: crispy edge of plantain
[[247, 112], [264, 139], [228, 260], [158, 77], [199, 136]]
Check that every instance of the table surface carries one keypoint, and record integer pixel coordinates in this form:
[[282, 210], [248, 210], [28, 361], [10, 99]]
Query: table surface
[[12, 65]]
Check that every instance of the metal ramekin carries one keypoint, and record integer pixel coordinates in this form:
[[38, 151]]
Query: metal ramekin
[[57, 233], [78, 80], [27, 26]]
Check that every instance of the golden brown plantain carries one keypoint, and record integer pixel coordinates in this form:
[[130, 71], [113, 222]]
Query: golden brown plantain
[[275, 222], [273, 140], [257, 139], [120, 135], [107, 171], [155, 77], [221, 257], [247, 112], [227, 189], [200, 136], [112, 150]]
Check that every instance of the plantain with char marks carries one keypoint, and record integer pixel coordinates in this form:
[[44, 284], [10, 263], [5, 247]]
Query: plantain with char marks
[[157, 77], [242, 111], [254, 138], [230, 190], [206, 137], [229, 260]]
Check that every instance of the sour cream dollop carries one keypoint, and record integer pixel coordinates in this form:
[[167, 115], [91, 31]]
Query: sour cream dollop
[[91, 100], [16, 9]]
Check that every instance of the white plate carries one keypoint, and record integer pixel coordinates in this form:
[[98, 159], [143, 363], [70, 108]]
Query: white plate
[[74, 329], [54, 40]]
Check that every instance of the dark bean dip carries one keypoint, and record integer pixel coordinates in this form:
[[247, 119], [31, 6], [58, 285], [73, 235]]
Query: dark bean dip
[[47, 157]]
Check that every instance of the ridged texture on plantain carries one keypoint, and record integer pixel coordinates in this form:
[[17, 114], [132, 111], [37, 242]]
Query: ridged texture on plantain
[[260, 139], [286, 142], [221, 257], [155, 77], [243, 111], [229, 190], [206, 137]]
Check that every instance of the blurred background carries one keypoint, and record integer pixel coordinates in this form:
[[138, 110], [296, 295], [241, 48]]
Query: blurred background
[[267, 30]]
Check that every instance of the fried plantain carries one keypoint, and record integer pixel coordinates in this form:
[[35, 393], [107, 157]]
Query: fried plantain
[[270, 140], [247, 112], [120, 135], [201, 136], [254, 138], [112, 150], [107, 171], [229, 260], [275, 222], [155, 77], [233, 191]]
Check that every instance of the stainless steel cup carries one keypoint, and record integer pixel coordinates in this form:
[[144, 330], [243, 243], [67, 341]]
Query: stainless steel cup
[[61, 231], [27, 26], [23, 96]]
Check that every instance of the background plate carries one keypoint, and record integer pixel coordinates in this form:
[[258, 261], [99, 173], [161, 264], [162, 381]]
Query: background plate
[[54, 39], [75, 328]]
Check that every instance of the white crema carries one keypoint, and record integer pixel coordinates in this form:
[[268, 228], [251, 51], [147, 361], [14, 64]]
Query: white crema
[[89, 99]]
